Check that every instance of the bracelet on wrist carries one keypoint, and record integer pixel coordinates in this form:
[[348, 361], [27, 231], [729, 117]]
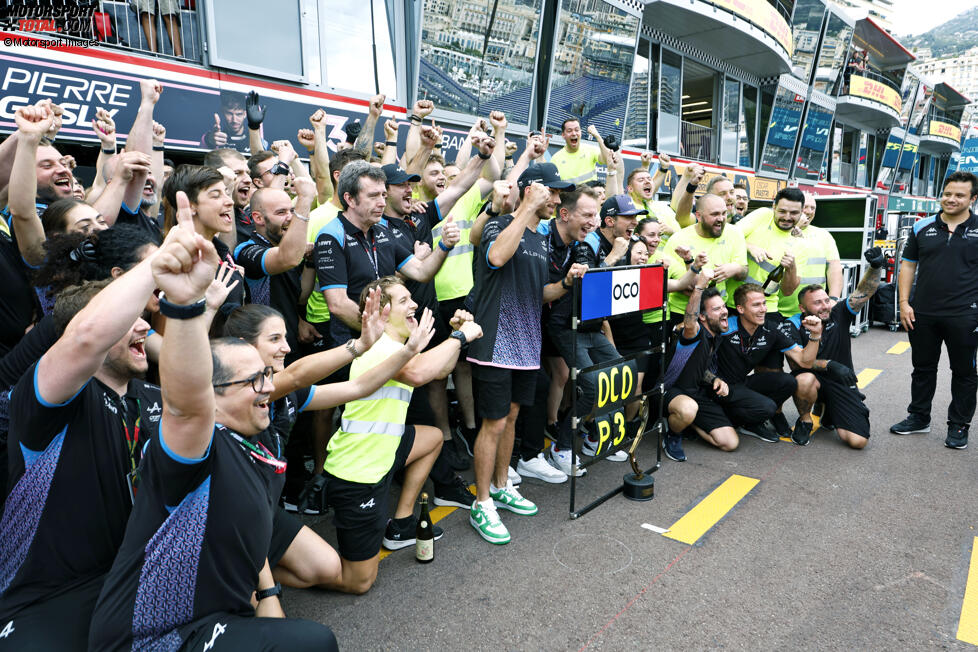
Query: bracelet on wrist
[[351, 347], [391, 142], [158, 148], [696, 287], [694, 269], [563, 284], [274, 591], [485, 157], [814, 339], [441, 245], [299, 217], [692, 187], [180, 311], [109, 151], [415, 118]]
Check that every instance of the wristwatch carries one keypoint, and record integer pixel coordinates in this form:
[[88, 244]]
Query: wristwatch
[[460, 336], [261, 594], [178, 311]]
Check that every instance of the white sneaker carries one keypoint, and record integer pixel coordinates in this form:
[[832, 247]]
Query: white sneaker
[[590, 448], [539, 469], [562, 460], [514, 477]]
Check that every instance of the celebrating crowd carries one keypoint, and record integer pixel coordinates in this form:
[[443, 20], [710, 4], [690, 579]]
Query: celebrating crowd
[[193, 357]]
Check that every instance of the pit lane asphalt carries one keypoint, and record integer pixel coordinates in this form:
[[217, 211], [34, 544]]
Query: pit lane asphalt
[[833, 549]]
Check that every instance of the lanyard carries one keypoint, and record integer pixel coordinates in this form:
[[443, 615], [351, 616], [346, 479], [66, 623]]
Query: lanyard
[[132, 439], [373, 244], [551, 247], [750, 342], [259, 453]]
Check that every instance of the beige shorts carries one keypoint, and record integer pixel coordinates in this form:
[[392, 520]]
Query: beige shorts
[[167, 7]]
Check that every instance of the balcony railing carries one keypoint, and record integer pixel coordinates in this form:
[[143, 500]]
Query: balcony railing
[[943, 127], [164, 28], [870, 85], [696, 141]]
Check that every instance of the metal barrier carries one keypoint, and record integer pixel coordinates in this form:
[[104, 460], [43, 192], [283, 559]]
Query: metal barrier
[[602, 293]]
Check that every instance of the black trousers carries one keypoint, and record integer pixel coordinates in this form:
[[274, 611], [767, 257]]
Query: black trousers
[[758, 398], [238, 633], [958, 335]]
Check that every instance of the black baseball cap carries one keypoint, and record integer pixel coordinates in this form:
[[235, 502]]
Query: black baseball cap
[[396, 176], [620, 205], [545, 173]]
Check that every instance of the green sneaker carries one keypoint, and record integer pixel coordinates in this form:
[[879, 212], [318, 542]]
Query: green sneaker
[[486, 522], [509, 498]]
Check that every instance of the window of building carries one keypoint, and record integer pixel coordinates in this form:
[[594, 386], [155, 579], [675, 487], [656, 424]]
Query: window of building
[[814, 141], [637, 116], [782, 131], [748, 131], [478, 56], [352, 32], [670, 102], [592, 65], [806, 25], [231, 44], [831, 57], [698, 111]]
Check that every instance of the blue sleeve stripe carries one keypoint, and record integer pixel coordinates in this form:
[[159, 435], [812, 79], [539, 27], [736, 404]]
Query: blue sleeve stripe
[[24, 260], [405, 262], [438, 211], [793, 346], [180, 458], [491, 266], [332, 287], [909, 260], [131, 211], [263, 269], [312, 392], [40, 399]]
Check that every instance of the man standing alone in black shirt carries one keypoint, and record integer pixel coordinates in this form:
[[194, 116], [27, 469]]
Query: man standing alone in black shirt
[[943, 252]]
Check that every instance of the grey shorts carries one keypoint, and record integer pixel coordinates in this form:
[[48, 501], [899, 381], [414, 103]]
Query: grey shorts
[[167, 7]]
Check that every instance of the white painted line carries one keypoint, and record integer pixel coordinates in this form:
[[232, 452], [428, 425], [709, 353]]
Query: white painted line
[[659, 530]]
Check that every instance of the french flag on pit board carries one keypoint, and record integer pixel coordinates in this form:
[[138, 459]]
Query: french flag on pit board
[[608, 292]]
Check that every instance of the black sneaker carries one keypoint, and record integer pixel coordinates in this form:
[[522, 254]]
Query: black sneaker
[[914, 424], [456, 494], [802, 433], [466, 437], [400, 533], [451, 454], [761, 431], [957, 436], [311, 501], [781, 425], [672, 444]]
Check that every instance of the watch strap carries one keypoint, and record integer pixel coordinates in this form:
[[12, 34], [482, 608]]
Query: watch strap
[[177, 311], [261, 594]]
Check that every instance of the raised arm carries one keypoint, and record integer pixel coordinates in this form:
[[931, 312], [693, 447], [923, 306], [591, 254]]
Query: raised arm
[[479, 128], [430, 136], [468, 176], [291, 248], [425, 270], [870, 282], [140, 138], [605, 152], [684, 198], [439, 361], [320, 156], [390, 142], [613, 182], [503, 201], [104, 127], [32, 123], [691, 318], [508, 241], [365, 141], [805, 357], [255, 111], [156, 165], [184, 269], [126, 166], [420, 109]]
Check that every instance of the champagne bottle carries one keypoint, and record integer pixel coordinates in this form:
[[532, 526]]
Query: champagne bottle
[[425, 535], [773, 281]]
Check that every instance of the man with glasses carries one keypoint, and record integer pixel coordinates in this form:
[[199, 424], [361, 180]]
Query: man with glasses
[[79, 419], [272, 257], [208, 482]]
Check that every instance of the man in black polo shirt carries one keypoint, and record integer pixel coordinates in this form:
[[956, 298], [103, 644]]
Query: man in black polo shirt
[[837, 391], [273, 255], [358, 247], [79, 420], [943, 309], [748, 343]]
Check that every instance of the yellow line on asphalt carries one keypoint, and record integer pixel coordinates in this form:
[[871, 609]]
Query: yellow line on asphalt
[[436, 513], [968, 625], [899, 347], [866, 376], [711, 509]]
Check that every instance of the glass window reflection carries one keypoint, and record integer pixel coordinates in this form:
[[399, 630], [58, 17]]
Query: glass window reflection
[[592, 65], [349, 51], [782, 131], [479, 56], [806, 24], [835, 47], [637, 118], [814, 140]]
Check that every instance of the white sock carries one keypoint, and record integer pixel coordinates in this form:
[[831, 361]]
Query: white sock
[[493, 488], [487, 504]]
